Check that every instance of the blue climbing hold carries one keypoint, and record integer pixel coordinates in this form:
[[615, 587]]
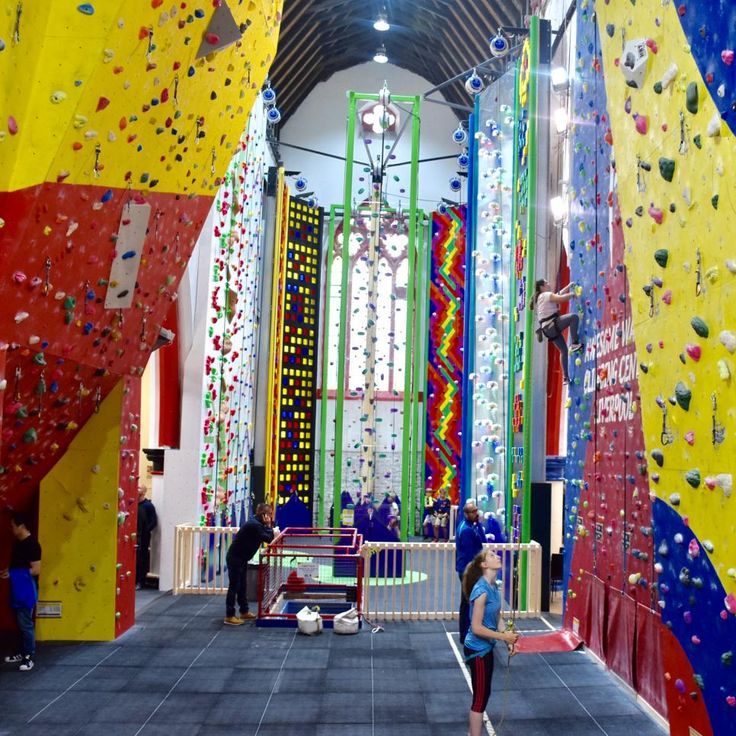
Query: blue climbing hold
[[128, 254], [107, 196], [86, 8]]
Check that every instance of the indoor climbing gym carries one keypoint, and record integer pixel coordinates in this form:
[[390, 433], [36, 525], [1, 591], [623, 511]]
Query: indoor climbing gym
[[367, 368]]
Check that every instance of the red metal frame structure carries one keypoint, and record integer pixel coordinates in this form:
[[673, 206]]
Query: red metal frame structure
[[306, 566]]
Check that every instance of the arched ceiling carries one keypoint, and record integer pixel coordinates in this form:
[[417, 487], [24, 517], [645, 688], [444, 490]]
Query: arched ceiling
[[436, 39]]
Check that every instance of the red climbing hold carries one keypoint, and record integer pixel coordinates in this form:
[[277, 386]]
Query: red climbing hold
[[681, 10], [12, 125], [102, 103], [212, 39]]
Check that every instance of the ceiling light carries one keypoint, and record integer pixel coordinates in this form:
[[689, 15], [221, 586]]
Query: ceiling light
[[560, 80], [380, 55], [558, 207], [381, 24], [561, 119]]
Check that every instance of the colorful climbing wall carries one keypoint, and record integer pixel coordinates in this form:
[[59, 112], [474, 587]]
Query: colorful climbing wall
[[608, 535], [294, 389], [232, 331], [670, 85], [445, 356], [492, 266], [112, 158]]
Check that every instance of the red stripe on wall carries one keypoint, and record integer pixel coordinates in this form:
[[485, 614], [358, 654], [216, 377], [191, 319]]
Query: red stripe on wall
[[169, 384]]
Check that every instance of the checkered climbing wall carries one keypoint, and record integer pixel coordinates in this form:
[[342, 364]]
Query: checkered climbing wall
[[298, 326]]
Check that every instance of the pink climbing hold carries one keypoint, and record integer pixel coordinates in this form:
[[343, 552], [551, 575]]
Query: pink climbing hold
[[690, 437], [19, 277], [727, 56], [693, 549], [656, 214], [652, 44], [730, 602], [731, 700], [693, 351], [12, 125], [642, 124], [667, 297]]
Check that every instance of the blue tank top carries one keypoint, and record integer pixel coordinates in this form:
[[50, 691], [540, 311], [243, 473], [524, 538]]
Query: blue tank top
[[490, 616]]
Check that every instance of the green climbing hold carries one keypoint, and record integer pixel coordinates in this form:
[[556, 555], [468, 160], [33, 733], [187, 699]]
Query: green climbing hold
[[667, 168], [691, 97], [39, 359], [714, 201], [683, 395], [658, 457], [698, 141], [70, 302], [701, 329], [683, 360], [693, 477], [30, 436], [658, 88], [699, 681], [661, 255]]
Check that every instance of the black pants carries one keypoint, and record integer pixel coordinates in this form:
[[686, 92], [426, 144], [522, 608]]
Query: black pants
[[481, 674], [464, 620], [236, 589], [143, 558], [567, 320]]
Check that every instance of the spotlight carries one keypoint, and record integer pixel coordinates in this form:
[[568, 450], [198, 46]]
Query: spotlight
[[381, 24], [459, 135], [273, 115], [560, 80], [558, 208], [300, 184], [456, 183], [561, 119], [499, 45], [269, 96], [474, 84], [380, 55]]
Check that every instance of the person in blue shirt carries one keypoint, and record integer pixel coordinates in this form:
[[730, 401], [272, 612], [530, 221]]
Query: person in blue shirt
[[469, 540], [486, 628]]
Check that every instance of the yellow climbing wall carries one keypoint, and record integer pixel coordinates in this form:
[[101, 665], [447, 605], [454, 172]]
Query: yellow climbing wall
[[675, 160], [694, 225], [117, 95], [77, 526]]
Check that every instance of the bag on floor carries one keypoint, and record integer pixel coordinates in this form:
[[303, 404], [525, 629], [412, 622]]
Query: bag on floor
[[347, 622], [309, 621]]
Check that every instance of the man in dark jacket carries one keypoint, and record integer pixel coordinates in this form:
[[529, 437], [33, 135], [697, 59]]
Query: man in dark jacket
[[246, 543], [147, 522], [469, 540]]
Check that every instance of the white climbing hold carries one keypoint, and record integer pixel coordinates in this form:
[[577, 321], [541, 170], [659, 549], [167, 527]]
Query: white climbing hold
[[725, 482], [3, 384], [58, 96], [714, 126], [724, 369], [728, 340], [687, 196], [20, 316], [731, 265], [669, 76], [721, 91], [34, 340]]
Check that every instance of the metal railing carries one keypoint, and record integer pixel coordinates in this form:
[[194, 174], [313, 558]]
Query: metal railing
[[402, 581], [416, 581]]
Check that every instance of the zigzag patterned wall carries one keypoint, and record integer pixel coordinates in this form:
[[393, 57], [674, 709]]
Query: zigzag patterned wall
[[445, 357]]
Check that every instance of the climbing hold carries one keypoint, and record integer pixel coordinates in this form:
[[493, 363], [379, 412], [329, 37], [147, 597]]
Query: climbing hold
[[727, 56], [661, 255], [674, 499], [669, 76], [708, 546], [700, 327], [693, 477], [690, 437], [728, 340], [30, 436], [102, 103], [667, 168], [691, 98], [658, 457], [693, 351], [693, 548], [714, 126], [12, 125], [86, 8], [714, 201], [642, 124], [57, 97], [683, 395]]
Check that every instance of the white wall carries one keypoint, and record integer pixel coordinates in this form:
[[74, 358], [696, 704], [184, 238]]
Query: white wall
[[320, 123]]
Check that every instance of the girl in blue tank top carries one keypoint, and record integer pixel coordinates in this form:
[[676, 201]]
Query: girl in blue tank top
[[479, 585]]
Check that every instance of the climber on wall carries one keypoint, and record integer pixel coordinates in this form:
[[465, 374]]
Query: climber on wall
[[552, 324]]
